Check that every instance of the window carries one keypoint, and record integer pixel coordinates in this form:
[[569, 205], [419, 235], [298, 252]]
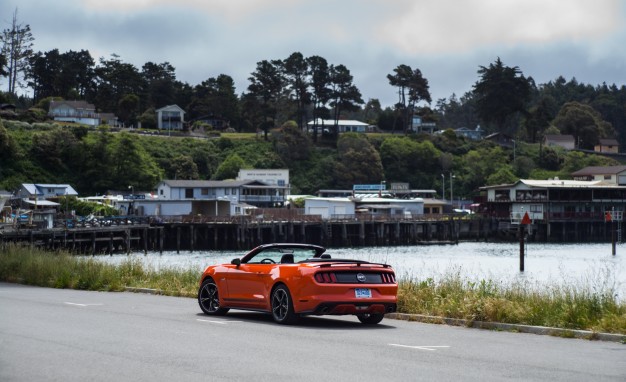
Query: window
[[538, 208], [188, 193], [161, 191], [204, 191], [227, 191], [607, 177]]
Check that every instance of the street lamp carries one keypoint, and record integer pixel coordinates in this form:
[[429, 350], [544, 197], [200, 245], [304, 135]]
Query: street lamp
[[443, 187], [131, 205], [451, 189]]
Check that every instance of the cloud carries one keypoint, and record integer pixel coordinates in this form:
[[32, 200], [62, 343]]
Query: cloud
[[440, 27], [446, 39]]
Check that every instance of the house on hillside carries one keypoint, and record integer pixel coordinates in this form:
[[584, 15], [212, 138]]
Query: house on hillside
[[74, 111], [501, 139], [608, 174], [45, 191], [216, 121], [565, 141], [419, 126], [343, 126], [607, 146], [170, 117], [473, 134]]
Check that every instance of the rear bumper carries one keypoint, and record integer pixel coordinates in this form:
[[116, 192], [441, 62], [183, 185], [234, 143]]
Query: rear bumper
[[338, 299], [351, 307]]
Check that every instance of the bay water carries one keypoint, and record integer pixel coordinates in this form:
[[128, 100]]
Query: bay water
[[585, 265]]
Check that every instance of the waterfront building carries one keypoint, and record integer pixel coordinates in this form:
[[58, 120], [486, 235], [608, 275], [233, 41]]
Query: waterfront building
[[569, 207]]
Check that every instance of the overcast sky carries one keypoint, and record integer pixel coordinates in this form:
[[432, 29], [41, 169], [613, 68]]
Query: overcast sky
[[448, 40]]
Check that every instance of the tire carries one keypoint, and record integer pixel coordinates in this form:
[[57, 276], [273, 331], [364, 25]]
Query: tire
[[209, 299], [282, 307], [370, 319]]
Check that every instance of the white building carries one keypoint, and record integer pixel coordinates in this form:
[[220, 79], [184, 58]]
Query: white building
[[170, 117], [340, 207], [343, 126], [329, 207]]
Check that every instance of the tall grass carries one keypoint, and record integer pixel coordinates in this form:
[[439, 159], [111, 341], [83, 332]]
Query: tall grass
[[589, 305], [569, 305], [32, 266]]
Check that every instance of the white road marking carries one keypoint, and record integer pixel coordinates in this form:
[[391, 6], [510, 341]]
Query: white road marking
[[217, 322], [429, 347], [76, 304]]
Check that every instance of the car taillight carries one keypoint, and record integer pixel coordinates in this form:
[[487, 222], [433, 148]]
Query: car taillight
[[388, 278], [325, 277]]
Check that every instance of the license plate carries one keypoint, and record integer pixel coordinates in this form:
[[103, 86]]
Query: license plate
[[362, 293]]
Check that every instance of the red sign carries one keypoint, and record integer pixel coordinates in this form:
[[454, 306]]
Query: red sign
[[608, 217], [526, 219]]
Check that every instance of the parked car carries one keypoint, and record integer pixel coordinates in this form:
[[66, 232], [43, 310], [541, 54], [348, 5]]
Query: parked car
[[290, 280]]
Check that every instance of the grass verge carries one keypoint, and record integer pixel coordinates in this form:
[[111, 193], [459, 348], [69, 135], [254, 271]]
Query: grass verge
[[32, 266], [563, 306], [575, 305]]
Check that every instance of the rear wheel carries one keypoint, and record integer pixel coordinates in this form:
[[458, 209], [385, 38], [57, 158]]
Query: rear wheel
[[370, 319], [209, 299], [282, 307]]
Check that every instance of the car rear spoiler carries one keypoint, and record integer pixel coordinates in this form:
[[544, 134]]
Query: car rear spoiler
[[331, 262]]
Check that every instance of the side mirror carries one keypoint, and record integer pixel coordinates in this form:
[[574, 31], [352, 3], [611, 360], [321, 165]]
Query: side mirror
[[236, 262]]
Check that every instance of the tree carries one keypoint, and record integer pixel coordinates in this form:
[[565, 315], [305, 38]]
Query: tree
[[538, 118], [17, 44], [229, 168], [407, 160], [291, 143], [114, 80], [69, 75], [215, 97], [372, 110], [128, 109], [501, 92], [412, 88], [584, 123], [454, 112], [295, 69], [3, 65], [266, 85], [131, 165], [320, 88], [7, 145], [344, 95], [357, 162], [159, 87], [184, 167]]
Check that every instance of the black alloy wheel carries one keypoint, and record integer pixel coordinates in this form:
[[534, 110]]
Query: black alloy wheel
[[282, 307], [209, 300]]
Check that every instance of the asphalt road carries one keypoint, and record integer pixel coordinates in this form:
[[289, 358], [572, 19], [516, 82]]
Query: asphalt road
[[68, 335]]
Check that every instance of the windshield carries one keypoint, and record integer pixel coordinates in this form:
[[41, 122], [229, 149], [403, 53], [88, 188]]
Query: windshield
[[282, 255]]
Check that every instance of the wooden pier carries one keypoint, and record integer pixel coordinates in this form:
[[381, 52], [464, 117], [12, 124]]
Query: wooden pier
[[240, 233]]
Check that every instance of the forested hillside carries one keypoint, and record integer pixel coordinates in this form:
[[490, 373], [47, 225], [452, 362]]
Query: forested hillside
[[98, 161]]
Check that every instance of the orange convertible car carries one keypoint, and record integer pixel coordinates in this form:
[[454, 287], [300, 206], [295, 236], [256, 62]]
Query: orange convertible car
[[290, 280]]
